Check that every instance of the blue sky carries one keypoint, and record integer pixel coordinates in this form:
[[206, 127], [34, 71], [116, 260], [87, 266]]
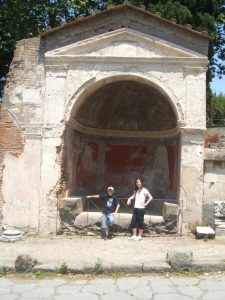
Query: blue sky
[[218, 85]]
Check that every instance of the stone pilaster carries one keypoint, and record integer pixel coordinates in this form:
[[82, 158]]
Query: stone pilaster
[[191, 179]]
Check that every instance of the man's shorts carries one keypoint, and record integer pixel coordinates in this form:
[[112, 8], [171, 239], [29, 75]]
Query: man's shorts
[[107, 220]]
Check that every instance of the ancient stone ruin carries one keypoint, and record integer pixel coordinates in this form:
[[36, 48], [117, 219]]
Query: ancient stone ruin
[[97, 102]]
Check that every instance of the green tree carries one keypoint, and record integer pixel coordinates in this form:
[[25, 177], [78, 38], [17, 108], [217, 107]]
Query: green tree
[[216, 110], [21, 19]]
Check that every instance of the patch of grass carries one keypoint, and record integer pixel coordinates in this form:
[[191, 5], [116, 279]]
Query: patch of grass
[[3, 271], [98, 268], [167, 258], [205, 238], [63, 269]]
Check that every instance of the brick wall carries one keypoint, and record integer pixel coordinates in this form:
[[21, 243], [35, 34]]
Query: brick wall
[[11, 140], [23, 69]]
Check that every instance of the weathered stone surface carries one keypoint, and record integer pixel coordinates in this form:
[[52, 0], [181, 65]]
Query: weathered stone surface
[[205, 232], [11, 236], [170, 211], [70, 207], [208, 215], [180, 260], [24, 263], [219, 214], [220, 231]]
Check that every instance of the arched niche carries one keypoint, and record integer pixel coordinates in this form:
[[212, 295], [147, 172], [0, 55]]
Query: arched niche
[[122, 129]]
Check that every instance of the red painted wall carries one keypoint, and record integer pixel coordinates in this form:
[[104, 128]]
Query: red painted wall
[[119, 164]]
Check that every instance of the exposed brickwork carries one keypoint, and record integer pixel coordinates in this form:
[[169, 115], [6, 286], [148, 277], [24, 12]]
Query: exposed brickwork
[[215, 138], [11, 140], [24, 65], [211, 139]]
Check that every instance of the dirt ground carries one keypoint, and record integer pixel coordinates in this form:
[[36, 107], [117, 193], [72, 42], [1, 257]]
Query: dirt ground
[[89, 249]]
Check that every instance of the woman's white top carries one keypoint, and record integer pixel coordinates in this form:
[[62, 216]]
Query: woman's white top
[[140, 197]]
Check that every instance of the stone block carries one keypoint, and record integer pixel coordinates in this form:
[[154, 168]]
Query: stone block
[[208, 214], [204, 232], [220, 230], [219, 208], [85, 219], [24, 263], [170, 211], [180, 260]]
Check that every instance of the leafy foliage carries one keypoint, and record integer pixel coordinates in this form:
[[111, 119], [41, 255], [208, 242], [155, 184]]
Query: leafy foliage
[[216, 110], [64, 269], [98, 268], [21, 19]]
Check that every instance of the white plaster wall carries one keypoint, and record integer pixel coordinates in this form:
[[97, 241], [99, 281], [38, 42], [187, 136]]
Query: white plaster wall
[[191, 179], [21, 182], [214, 182], [50, 177], [195, 105], [54, 104]]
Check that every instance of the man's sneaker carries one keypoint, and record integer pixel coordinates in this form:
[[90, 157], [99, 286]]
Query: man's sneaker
[[133, 237], [138, 238]]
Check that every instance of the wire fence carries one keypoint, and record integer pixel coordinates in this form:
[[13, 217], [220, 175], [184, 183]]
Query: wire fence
[[216, 122]]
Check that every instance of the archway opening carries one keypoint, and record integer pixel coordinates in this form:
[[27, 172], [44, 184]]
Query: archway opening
[[123, 130]]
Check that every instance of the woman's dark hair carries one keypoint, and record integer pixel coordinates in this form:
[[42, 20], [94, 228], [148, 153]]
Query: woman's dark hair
[[136, 188]]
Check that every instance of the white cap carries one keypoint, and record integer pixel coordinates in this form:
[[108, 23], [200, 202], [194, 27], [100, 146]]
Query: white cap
[[110, 188]]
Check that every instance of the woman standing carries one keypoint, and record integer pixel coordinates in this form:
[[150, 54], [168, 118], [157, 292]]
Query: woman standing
[[142, 198]]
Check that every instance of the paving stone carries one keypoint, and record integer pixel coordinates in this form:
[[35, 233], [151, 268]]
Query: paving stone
[[162, 286], [128, 288], [191, 291], [4, 290], [44, 292], [20, 288], [126, 284], [171, 297], [214, 296], [184, 281], [5, 282], [99, 289], [142, 292], [77, 282], [9, 297], [77, 297], [69, 289], [213, 285], [118, 296]]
